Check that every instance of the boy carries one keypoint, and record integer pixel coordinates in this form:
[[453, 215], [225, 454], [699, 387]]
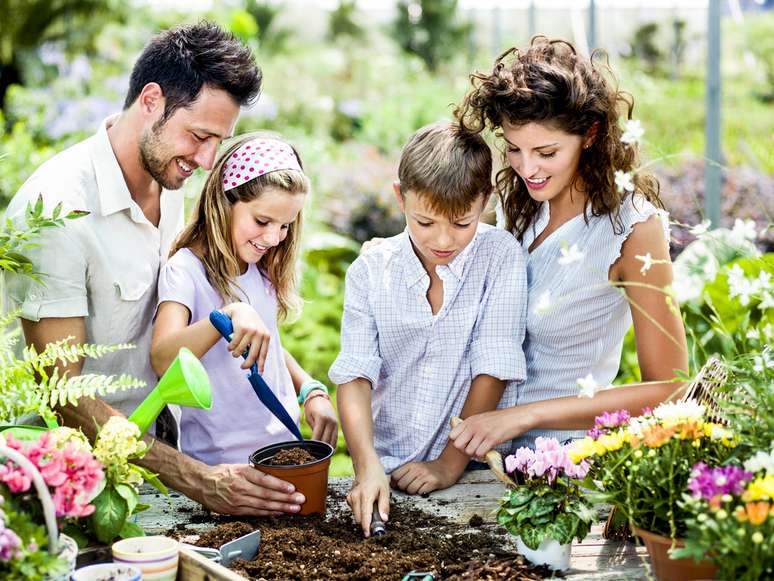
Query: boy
[[433, 324]]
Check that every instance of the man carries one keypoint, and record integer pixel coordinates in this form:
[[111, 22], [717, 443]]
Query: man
[[100, 272]]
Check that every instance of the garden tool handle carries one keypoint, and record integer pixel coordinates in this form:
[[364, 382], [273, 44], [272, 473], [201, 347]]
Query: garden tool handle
[[378, 528], [493, 459], [223, 324]]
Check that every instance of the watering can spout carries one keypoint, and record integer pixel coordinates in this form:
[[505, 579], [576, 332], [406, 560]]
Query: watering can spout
[[184, 383]]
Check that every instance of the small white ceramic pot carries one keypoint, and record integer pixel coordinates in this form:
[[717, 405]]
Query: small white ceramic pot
[[550, 553], [112, 571], [156, 557]]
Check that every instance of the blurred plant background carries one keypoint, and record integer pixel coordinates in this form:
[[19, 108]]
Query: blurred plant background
[[347, 82]]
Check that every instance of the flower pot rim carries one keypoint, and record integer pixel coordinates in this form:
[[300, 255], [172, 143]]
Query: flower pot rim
[[165, 551], [277, 446]]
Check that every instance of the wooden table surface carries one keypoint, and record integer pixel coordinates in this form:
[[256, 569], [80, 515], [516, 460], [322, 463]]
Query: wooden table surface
[[476, 493]]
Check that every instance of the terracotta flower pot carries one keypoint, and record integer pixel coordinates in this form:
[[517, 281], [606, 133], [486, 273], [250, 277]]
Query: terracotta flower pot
[[667, 569], [310, 479]]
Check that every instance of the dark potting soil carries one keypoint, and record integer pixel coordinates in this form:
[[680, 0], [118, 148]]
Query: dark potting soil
[[333, 548], [291, 457]]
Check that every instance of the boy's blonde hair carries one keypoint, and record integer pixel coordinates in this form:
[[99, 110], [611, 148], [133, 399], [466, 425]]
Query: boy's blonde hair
[[208, 232], [447, 166]]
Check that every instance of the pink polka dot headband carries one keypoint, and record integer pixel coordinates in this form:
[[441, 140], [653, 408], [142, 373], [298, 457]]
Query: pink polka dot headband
[[257, 157]]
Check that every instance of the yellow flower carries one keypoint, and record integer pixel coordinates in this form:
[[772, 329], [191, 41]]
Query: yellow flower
[[612, 442], [582, 449], [762, 488]]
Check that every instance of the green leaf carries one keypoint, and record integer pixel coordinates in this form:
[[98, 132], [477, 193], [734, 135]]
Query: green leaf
[[130, 495], [532, 537], [75, 214], [131, 529], [110, 514]]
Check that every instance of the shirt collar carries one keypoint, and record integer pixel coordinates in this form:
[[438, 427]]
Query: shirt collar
[[112, 190], [415, 270]]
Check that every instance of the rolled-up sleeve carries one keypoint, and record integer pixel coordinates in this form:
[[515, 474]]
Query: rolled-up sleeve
[[176, 284], [359, 356], [496, 343], [61, 262]]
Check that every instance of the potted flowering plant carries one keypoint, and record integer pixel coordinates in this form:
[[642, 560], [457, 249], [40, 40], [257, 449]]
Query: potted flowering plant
[[642, 465], [53, 477], [545, 508], [731, 518]]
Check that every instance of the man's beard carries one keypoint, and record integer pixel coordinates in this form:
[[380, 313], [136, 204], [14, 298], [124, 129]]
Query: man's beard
[[154, 161]]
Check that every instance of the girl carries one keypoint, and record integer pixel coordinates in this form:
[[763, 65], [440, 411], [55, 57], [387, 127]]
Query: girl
[[238, 254], [596, 239]]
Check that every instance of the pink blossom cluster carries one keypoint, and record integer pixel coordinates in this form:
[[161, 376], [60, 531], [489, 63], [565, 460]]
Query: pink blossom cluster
[[608, 421], [548, 460], [707, 483], [72, 474], [10, 543]]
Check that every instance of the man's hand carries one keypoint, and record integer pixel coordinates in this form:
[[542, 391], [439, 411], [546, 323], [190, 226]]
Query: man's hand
[[372, 487], [240, 489], [321, 416], [424, 477], [250, 332]]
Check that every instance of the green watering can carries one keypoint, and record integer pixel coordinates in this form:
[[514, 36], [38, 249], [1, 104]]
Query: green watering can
[[184, 383]]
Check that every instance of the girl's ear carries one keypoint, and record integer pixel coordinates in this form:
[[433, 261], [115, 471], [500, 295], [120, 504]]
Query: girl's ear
[[399, 195], [591, 135]]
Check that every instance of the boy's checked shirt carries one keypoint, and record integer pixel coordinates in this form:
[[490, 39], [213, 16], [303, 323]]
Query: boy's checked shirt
[[421, 365]]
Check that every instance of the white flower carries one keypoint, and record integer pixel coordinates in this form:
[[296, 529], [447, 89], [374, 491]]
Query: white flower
[[763, 361], [544, 303], [720, 433], [633, 131], [623, 181], [741, 286], [768, 331], [570, 255], [752, 334], [767, 302], [744, 230], [588, 386], [764, 280], [761, 461], [700, 229], [672, 413], [647, 262]]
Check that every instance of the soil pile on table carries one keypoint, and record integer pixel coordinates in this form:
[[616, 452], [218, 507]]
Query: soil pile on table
[[291, 457], [333, 548]]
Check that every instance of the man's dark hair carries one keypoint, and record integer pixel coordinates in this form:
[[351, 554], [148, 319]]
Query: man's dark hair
[[183, 60]]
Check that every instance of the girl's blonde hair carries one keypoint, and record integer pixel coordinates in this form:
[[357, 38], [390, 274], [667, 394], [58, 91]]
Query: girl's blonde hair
[[208, 232]]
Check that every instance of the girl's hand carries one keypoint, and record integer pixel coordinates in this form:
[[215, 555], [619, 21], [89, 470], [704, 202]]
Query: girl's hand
[[250, 334], [321, 416], [372, 486], [479, 433]]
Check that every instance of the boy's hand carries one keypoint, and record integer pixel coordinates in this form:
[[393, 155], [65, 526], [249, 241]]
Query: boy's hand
[[372, 487], [321, 416], [424, 477], [250, 332]]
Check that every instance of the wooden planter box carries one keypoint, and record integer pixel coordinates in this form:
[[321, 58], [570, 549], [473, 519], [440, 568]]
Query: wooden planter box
[[194, 567]]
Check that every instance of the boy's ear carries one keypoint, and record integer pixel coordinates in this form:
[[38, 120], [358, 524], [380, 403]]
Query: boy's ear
[[398, 195]]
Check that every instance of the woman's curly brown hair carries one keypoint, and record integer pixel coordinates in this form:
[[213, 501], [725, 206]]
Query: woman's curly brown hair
[[551, 83]]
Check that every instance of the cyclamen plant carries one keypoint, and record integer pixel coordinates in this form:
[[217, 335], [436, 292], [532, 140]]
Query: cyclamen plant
[[545, 501]]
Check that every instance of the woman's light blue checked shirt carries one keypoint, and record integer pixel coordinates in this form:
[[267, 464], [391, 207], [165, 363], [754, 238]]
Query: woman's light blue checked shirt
[[421, 365]]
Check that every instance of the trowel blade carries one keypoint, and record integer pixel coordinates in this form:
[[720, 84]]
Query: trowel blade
[[245, 547]]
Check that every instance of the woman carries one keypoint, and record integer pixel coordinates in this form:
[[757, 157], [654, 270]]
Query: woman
[[596, 238]]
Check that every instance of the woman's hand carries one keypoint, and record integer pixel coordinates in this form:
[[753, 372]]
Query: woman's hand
[[479, 433], [250, 334], [321, 416]]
